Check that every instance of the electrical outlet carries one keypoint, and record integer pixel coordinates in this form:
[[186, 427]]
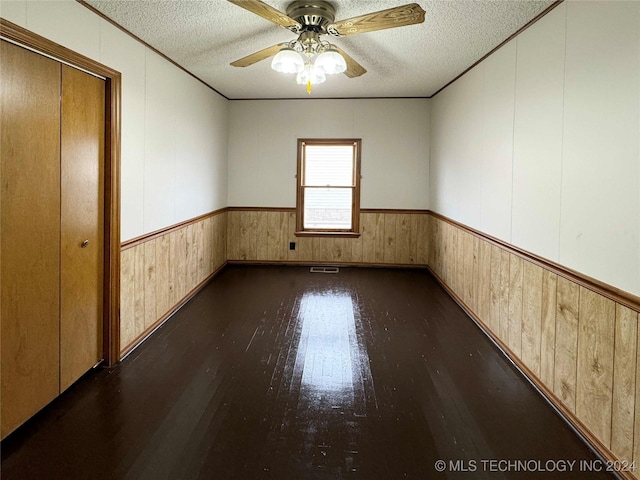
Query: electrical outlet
[[292, 245]]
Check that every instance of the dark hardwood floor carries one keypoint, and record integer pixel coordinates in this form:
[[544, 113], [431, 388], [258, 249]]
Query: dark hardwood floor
[[278, 373]]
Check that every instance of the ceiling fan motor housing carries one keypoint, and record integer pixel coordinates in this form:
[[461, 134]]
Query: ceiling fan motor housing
[[314, 15]]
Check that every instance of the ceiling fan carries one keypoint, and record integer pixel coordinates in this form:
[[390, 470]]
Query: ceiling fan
[[311, 57]]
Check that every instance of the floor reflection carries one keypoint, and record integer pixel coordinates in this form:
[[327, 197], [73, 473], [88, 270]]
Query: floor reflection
[[326, 343], [334, 381]]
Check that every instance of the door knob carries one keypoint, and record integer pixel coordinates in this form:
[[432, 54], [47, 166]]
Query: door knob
[[84, 244]]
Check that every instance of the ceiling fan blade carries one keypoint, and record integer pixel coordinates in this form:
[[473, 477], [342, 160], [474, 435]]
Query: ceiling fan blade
[[354, 69], [257, 56], [268, 12], [408, 14]]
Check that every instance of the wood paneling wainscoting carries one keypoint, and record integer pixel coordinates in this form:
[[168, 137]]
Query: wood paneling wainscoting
[[576, 339], [164, 269], [160, 271], [388, 237]]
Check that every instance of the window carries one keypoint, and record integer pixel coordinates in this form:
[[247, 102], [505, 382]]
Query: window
[[328, 187]]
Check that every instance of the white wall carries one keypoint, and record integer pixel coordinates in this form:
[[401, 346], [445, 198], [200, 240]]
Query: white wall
[[174, 128], [395, 148], [539, 145]]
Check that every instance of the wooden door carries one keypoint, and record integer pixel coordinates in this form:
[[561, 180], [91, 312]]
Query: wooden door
[[29, 231], [82, 219]]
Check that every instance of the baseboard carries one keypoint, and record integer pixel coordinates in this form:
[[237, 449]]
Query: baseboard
[[310, 263]]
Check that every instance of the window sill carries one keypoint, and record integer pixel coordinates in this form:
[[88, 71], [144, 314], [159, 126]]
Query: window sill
[[311, 233]]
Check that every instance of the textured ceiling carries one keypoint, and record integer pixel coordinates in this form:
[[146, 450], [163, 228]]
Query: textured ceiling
[[413, 61]]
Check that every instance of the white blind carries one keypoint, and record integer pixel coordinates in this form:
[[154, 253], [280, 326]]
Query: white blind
[[328, 165]]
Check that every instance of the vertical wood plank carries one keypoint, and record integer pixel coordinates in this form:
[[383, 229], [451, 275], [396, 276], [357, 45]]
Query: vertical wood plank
[[567, 318], [423, 240], [265, 241], [367, 225], [321, 248], [221, 251], [390, 243], [357, 245], [207, 247], [127, 297], [475, 280], [439, 246], [402, 238], [531, 316], [449, 247], [179, 264], [461, 264], [378, 237], [139, 273], [468, 262], [317, 246], [316, 249], [494, 307], [149, 283], [484, 284], [515, 304], [414, 240], [233, 235], [199, 242], [173, 288], [191, 262], [248, 238], [216, 236], [548, 328], [283, 236], [339, 249], [292, 255], [504, 296], [346, 249], [220, 229], [163, 293], [445, 245], [192, 257], [624, 383], [332, 249], [450, 255], [594, 386], [434, 245]]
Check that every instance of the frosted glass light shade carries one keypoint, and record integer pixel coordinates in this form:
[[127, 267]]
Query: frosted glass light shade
[[287, 60], [311, 73], [331, 62]]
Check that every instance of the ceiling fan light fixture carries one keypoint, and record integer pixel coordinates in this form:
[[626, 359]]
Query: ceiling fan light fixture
[[311, 75], [287, 60], [331, 62], [311, 57]]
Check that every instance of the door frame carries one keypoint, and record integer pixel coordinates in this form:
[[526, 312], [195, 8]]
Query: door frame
[[113, 85]]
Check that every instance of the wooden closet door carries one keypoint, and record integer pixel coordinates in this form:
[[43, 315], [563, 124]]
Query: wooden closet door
[[30, 232], [82, 223]]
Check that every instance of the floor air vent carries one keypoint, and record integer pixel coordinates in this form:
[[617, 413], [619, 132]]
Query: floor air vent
[[325, 269]]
